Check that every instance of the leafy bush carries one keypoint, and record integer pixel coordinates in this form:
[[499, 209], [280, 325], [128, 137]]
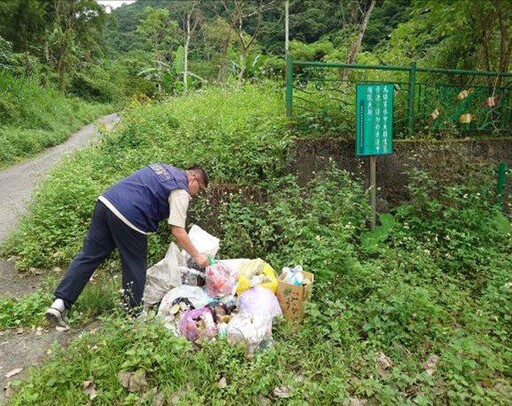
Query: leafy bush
[[399, 315], [460, 225], [239, 141], [95, 87], [273, 68], [315, 226], [33, 118], [315, 51], [7, 59]]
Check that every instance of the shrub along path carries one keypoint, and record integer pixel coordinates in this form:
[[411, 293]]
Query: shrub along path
[[22, 348]]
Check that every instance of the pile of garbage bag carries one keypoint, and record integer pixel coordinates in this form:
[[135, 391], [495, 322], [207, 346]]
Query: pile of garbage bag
[[233, 299]]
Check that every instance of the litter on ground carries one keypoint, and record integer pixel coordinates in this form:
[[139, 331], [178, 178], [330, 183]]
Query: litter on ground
[[233, 299]]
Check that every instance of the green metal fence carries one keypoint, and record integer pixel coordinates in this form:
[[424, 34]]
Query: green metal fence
[[321, 96]]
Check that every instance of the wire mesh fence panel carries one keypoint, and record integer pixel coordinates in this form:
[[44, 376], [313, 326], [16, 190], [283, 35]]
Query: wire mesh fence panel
[[321, 99]]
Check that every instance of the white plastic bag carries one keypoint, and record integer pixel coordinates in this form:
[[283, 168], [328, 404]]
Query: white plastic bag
[[197, 296], [194, 294], [164, 275], [234, 264], [204, 242], [250, 330]]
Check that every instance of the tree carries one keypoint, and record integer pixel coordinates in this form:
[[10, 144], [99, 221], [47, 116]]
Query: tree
[[211, 48], [23, 23], [365, 11], [61, 53], [190, 18], [162, 35], [461, 34], [62, 33], [385, 18], [74, 35], [312, 19], [503, 15], [362, 17], [239, 11]]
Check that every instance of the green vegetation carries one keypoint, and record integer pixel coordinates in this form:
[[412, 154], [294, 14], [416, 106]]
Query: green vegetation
[[33, 118], [145, 50], [26, 311], [77, 41], [242, 141], [413, 312]]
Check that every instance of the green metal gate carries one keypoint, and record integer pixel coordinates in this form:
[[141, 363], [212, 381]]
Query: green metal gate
[[320, 97]]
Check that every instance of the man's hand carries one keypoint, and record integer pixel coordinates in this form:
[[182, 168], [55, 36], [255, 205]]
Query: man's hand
[[182, 237], [201, 260]]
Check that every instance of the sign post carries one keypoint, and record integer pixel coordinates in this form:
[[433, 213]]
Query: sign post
[[374, 129]]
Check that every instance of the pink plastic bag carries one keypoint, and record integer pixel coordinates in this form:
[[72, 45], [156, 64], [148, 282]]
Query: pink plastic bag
[[259, 300], [197, 323], [219, 280]]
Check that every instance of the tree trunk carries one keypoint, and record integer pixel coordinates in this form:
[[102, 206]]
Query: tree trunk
[[185, 56], [224, 58], [505, 41], [190, 29], [286, 27], [236, 24], [243, 63], [505, 46], [356, 44]]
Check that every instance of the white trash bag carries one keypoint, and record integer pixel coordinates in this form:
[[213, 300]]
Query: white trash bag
[[252, 331], [171, 312], [234, 264], [164, 275], [204, 242]]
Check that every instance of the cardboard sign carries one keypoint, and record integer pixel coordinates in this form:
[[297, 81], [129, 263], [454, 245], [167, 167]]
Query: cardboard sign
[[293, 298]]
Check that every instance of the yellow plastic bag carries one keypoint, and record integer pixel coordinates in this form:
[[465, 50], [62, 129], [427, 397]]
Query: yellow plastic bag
[[256, 272]]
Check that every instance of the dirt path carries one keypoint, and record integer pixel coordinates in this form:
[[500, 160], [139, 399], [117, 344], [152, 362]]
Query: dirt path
[[25, 347]]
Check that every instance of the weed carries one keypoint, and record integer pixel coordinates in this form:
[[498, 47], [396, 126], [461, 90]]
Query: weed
[[414, 312], [34, 118]]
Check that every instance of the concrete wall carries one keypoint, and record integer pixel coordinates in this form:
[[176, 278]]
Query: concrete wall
[[444, 160]]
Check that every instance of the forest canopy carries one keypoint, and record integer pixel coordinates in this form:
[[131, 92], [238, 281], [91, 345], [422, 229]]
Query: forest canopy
[[170, 46]]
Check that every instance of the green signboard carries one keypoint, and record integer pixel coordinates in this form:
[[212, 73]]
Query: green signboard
[[374, 119]]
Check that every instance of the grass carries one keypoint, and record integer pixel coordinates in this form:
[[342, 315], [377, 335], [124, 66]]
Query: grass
[[33, 118], [183, 131], [415, 312]]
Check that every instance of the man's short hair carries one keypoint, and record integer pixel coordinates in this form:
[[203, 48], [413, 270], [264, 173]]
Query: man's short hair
[[201, 172]]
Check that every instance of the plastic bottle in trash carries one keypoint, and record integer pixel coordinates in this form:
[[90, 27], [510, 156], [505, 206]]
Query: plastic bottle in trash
[[293, 276], [223, 330], [211, 260], [297, 278]]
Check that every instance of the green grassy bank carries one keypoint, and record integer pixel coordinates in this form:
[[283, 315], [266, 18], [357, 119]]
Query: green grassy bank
[[33, 118], [415, 312]]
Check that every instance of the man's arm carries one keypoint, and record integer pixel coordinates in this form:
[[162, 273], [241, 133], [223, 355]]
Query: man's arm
[[184, 241], [178, 205]]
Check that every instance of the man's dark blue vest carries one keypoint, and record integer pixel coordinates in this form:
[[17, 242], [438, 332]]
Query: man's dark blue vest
[[143, 198]]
